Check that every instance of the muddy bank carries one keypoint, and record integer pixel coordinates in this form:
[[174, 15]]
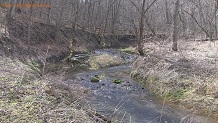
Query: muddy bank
[[46, 42], [187, 78]]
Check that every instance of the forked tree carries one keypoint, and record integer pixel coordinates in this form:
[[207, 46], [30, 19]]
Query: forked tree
[[139, 31]]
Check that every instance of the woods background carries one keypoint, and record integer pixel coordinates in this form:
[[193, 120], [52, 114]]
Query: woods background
[[196, 17]]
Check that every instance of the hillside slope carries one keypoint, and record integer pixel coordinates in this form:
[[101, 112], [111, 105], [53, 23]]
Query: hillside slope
[[46, 42]]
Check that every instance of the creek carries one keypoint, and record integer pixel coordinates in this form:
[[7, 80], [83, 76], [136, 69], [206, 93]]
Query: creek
[[128, 101]]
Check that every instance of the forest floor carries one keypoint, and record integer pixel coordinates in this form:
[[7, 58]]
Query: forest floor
[[186, 78]]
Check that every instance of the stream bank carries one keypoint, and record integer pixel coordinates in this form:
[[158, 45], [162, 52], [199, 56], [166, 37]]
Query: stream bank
[[187, 78]]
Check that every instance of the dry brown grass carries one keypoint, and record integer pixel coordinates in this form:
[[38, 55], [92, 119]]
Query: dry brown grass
[[104, 60], [188, 76], [23, 96]]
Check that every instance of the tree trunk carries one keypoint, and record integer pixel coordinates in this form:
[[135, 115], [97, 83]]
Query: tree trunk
[[115, 12], [152, 29], [215, 18], [167, 13], [59, 21], [107, 15], [113, 18], [175, 26], [30, 22], [141, 30], [49, 13], [184, 22], [13, 9]]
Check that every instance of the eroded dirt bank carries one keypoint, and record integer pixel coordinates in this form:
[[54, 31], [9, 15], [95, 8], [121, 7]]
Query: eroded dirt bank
[[187, 77], [46, 42]]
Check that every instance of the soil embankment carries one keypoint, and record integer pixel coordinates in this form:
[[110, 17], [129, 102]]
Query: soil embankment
[[46, 41]]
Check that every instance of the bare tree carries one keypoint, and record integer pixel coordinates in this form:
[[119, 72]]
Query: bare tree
[[139, 32], [59, 19], [175, 26], [215, 18], [168, 21], [48, 13], [30, 21], [115, 12]]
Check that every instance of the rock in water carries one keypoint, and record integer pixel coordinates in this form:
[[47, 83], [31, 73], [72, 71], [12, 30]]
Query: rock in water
[[117, 81], [95, 79]]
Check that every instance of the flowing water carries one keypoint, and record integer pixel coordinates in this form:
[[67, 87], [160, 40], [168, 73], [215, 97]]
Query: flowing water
[[128, 102]]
